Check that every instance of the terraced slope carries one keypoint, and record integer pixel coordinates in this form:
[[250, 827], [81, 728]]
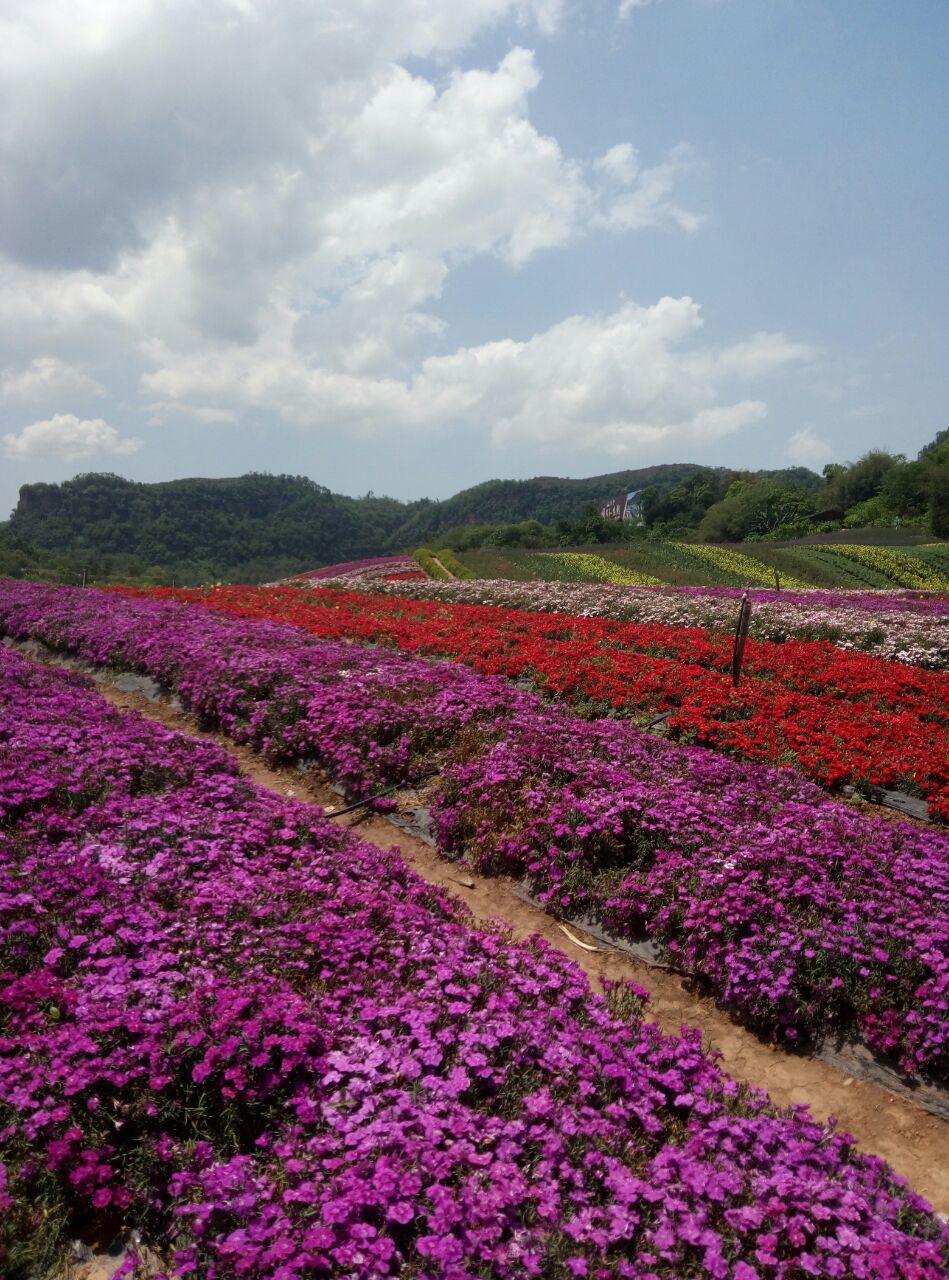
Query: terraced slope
[[848, 565]]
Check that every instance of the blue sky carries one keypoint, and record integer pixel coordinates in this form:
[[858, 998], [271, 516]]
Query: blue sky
[[406, 246]]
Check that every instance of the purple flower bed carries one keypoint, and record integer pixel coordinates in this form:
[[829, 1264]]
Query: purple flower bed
[[376, 569], [279, 1054], [803, 916]]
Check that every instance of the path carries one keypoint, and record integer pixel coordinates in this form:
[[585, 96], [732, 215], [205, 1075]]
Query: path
[[444, 568]]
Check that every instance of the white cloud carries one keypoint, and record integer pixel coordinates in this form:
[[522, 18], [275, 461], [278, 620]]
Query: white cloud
[[633, 197], [162, 410], [272, 156], [46, 378], [762, 354], [67, 437], [626, 7], [270, 220], [807, 448], [616, 382]]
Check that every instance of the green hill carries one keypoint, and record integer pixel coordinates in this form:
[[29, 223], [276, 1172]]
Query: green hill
[[250, 526], [545, 498], [258, 527]]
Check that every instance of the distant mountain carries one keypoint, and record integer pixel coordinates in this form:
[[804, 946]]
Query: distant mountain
[[261, 526], [552, 498], [545, 498], [268, 523]]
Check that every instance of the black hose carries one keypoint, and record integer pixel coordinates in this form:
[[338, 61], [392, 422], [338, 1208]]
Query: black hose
[[397, 786]]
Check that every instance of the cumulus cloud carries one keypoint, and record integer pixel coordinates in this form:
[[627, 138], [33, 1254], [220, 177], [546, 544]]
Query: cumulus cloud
[[274, 153], [64, 436], [807, 448], [46, 378], [618, 382], [269, 218]]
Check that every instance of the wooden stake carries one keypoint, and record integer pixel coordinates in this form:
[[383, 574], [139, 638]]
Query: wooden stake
[[741, 636]]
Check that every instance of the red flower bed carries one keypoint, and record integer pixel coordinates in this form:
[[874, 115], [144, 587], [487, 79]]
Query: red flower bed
[[836, 716]]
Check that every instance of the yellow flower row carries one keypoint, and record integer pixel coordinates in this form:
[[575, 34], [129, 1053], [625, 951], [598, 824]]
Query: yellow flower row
[[754, 572], [901, 568], [586, 568]]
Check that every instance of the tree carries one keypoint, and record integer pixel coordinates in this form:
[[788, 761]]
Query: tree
[[939, 500], [755, 508], [905, 489], [858, 481]]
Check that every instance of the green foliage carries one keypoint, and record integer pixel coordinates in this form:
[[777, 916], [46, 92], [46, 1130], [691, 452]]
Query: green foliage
[[881, 486], [526, 533], [849, 484], [939, 500], [590, 528], [905, 489], [757, 508], [451, 562], [872, 513], [429, 564], [546, 499], [255, 527]]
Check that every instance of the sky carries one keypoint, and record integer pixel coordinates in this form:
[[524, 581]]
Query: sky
[[404, 246]]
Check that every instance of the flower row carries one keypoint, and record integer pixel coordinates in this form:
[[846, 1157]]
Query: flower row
[[898, 566], [573, 566], [375, 570], [837, 717], [278, 1053], [736, 564], [894, 626], [804, 917]]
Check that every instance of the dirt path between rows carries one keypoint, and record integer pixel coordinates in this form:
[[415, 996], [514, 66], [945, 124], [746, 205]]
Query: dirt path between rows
[[445, 569], [914, 1142]]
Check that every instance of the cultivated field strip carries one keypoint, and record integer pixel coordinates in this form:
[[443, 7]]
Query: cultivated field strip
[[805, 918], [273, 1049], [838, 718], [898, 626], [231, 1025]]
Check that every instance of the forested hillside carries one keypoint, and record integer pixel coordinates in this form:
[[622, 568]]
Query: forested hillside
[[544, 498], [251, 526], [260, 527]]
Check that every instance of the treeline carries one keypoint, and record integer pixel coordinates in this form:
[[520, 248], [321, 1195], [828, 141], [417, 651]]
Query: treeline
[[879, 490], [258, 527], [546, 499], [252, 528]]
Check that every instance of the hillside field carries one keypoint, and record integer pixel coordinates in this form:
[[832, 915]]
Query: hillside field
[[854, 564]]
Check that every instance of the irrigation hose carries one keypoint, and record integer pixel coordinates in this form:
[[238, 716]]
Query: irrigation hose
[[359, 804]]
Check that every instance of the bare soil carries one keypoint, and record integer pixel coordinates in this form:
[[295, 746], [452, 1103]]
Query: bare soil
[[444, 567], [912, 1141]]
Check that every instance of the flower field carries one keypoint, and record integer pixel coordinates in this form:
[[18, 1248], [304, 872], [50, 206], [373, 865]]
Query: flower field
[[898, 567], [571, 566], [730, 565], [277, 1053], [830, 565], [898, 626], [804, 917], [836, 717], [375, 570]]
